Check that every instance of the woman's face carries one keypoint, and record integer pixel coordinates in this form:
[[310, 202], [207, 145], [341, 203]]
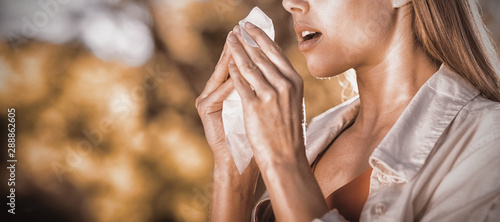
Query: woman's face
[[336, 35]]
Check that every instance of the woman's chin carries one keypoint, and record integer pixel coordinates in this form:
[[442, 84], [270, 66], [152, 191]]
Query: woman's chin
[[317, 71]]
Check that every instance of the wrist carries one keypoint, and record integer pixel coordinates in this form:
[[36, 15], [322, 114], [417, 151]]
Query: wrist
[[225, 170], [288, 181], [222, 157], [279, 161], [224, 162], [232, 193], [227, 179]]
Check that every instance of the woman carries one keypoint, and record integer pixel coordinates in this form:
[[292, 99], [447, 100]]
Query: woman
[[420, 143]]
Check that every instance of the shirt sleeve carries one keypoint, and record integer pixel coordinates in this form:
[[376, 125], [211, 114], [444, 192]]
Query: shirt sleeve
[[332, 216]]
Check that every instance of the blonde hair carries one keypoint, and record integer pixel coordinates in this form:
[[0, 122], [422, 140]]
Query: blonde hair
[[452, 32]]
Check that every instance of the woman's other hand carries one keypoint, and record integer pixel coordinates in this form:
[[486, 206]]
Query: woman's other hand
[[209, 105], [232, 193], [272, 96]]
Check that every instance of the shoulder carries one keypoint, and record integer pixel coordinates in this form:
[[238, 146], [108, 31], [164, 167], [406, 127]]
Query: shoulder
[[468, 157], [482, 115], [477, 128], [481, 105]]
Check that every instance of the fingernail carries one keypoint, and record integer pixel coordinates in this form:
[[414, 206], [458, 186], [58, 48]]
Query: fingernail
[[232, 38], [236, 29], [249, 25]]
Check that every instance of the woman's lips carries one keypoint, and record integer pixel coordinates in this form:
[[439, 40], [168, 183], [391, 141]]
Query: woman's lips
[[305, 45], [304, 31]]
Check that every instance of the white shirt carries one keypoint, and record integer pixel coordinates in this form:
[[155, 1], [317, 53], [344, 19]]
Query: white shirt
[[439, 162]]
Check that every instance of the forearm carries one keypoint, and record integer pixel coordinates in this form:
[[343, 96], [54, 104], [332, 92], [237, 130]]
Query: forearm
[[294, 191], [232, 198]]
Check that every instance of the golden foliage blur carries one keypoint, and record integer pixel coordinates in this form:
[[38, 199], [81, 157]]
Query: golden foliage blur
[[100, 141]]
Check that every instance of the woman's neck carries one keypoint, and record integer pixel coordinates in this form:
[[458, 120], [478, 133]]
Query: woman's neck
[[387, 86]]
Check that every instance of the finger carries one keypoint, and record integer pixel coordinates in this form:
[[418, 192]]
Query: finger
[[222, 92], [247, 68], [223, 52], [269, 70], [276, 79], [213, 102], [270, 48], [294, 81], [281, 83], [240, 84], [220, 73]]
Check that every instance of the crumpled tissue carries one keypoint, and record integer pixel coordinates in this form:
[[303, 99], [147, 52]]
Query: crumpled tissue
[[261, 20], [232, 109]]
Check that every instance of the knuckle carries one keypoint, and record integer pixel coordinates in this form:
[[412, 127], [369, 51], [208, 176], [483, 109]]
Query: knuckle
[[261, 36], [249, 67], [284, 86], [259, 58], [232, 68], [276, 49], [298, 80], [252, 105], [269, 96], [200, 105], [197, 102], [200, 109]]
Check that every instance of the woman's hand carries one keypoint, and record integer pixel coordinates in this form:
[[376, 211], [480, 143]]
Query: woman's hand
[[232, 193], [272, 95], [209, 105]]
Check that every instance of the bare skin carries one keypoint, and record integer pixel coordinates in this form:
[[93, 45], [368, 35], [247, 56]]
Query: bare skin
[[390, 69], [385, 89]]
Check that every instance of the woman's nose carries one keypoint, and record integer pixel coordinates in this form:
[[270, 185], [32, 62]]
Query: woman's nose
[[296, 6]]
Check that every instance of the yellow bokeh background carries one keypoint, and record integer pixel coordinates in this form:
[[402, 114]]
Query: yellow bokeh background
[[101, 141]]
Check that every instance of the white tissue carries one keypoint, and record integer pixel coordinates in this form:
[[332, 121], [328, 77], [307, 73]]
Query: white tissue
[[234, 129], [261, 20], [232, 108]]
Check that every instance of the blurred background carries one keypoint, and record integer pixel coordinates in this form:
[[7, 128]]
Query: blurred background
[[104, 93]]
